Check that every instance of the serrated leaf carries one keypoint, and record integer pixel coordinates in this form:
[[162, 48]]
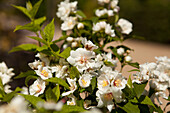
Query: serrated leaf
[[56, 91], [80, 13], [130, 108], [24, 47], [25, 74], [139, 88], [129, 82], [74, 73], [42, 48], [65, 53], [28, 78], [50, 96], [33, 99], [39, 21], [35, 8], [24, 10], [58, 81], [49, 31], [60, 39], [93, 83], [9, 96], [70, 108], [146, 100]]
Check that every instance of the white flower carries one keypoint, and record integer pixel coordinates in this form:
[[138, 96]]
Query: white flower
[[44, 58], [51, 105], [125, 25], [70, 39], [65, 8], [44, 72], [114, 3], [60, 71], [72, 101], [110, 13], [80, 25], [17, 105], [82, 59], [88, 44], [37, 87], [85, 80], [128, 58], [103, 1], [164, 59], [7, 89], [105, 99], [73, 86], [74, 44], [5, 73], [139, 78], [102, 12], [108, 57], [103, 82], [34, 65], [69, 23], [25, 90], [120, 51]]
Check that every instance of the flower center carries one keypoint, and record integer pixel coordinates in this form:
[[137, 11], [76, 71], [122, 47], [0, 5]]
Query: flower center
[[108, 96], [105, 83], [117, 83], [83, 60], [71, 103], [84, 82], [44, 73], [39, 88]]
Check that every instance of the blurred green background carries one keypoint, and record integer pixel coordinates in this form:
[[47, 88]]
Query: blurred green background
[[150, 18]]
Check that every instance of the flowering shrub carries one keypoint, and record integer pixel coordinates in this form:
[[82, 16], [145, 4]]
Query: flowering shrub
[[80, 76]]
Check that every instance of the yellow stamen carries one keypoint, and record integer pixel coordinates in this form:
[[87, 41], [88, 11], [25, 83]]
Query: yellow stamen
[[105, 83], [84, 82], [72, 103], [39, 87], [108, 96], [44, 73], [117, 82]]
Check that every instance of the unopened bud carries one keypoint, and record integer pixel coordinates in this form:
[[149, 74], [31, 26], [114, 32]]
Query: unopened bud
[[74, 44], [120, 51], [128, 58], [80, 26], [69, 39]]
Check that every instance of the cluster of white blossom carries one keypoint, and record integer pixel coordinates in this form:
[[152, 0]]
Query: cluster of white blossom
[[72, 42], [66, 8], [104, 26], [158, 75], [5, 75], [103, 12]]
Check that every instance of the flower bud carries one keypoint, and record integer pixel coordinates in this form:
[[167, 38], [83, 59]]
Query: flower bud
[[65, 46], [69, 39], [80, 26], [128, 58], [74, 44], [120, 51]]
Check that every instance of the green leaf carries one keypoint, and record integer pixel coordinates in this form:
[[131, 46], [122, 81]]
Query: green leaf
[[33, 99], [35, 9], [130, 108], [24, 47], [1, 84], [49, 31], [60, 39], [93, 83], [50, 96], [134, 70], [39, 21], [56, 91], [24, 10], [9, 96], [38, 39], [54, 47], [129, 82], [30, 27], [139, 88], [129, 93], [107, 63], [70, 108], [28, 78], [65, 53], [74, 73], [80, 13], [136, 65], [58, 81], [25, 74]]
